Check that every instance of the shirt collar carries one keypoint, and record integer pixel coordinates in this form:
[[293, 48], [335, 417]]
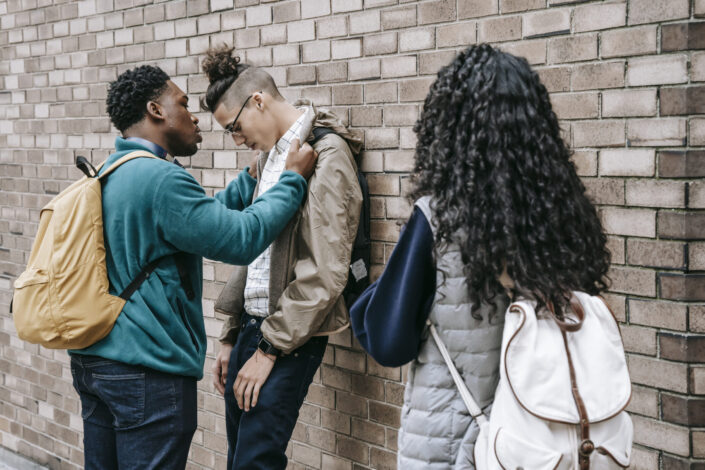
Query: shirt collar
[[156, 149], [292, 133]]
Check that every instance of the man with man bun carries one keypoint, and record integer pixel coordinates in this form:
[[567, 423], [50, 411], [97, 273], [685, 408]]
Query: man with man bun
[[283, 306]]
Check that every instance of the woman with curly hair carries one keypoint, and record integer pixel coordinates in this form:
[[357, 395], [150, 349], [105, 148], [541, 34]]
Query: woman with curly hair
[[500, 212]]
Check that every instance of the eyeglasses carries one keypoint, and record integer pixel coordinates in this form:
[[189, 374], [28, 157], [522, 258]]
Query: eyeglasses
[[230, 128]]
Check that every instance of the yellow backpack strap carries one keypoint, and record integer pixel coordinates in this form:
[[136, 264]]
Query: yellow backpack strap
[[125, 158]]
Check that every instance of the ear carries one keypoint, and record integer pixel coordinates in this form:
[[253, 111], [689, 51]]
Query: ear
[[155, 111], [258, 98]]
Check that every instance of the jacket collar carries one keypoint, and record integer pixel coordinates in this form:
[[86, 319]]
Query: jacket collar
[[137, 143], [324, 118]]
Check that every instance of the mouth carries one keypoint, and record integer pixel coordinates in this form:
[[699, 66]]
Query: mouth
[[198, 135]]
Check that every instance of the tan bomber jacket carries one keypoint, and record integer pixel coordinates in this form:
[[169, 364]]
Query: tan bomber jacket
[[310, 259]]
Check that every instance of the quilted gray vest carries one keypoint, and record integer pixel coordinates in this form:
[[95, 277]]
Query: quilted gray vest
[[437, 432]]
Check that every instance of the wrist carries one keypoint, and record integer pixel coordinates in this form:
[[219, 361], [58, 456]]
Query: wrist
[[268, 349], [271, 357]]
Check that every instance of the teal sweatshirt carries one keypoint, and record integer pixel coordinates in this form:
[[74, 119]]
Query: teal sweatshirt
[[153, 208]]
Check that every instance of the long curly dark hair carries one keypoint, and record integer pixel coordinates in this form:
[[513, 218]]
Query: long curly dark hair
[[129, 94], [503, 187]]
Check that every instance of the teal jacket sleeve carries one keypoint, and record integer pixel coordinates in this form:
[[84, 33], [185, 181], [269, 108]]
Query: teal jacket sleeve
[[195, 223], [238, 194]]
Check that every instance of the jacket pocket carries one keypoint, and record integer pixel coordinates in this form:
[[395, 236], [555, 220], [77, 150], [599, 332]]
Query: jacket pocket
[[513, 453]]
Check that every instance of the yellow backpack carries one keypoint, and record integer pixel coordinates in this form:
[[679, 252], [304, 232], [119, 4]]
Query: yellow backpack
[[61, 300]]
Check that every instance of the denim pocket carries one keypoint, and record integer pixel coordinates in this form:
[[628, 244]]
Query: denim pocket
[[312, 365], [88, 405], [123, 392], [311, 355]]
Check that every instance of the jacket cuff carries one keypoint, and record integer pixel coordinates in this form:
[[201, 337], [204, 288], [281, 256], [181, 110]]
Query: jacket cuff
[[230, 330], [281, 341]]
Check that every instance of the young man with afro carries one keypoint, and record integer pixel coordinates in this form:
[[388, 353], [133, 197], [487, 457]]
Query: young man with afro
[[137, 386]]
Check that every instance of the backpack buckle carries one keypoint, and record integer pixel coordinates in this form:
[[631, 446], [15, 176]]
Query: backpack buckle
[[586, 448]]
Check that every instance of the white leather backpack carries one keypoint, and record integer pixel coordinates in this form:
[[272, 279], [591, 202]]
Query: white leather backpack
[[562, 392]]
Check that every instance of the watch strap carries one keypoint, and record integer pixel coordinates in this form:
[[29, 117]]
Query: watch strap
[[267, 347]]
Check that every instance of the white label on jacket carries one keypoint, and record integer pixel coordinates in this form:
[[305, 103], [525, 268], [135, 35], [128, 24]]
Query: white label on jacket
[[358, 270]]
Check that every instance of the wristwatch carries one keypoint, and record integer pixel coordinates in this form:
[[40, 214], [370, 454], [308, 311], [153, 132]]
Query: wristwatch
[[267, 347]]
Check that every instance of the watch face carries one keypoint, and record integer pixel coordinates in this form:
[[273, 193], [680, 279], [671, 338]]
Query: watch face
[[267, 348]]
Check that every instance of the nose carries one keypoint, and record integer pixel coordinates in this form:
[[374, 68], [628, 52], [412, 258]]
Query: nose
[[239, 140], [194, 119]]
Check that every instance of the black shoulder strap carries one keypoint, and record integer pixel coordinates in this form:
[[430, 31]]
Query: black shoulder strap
[[139, 279], [85, 166], [320, 132], [147, 270]]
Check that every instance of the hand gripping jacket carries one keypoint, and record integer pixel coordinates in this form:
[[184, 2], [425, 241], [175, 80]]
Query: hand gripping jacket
[[562, 392]]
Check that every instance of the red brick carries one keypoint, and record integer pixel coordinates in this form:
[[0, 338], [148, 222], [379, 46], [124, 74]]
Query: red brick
[[598, 75], [500, 29], [476, 8], [628, 42], [572, 49], [654, 11], [546, 22], [685, 287], [437, 11], [659, 314], [683, 36]]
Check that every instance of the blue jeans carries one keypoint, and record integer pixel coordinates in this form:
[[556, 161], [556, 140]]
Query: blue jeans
[[257, 439], [133, 417]]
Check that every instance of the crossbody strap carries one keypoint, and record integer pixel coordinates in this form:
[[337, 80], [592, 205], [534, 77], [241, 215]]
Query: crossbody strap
[[470, 404], [147, 270]]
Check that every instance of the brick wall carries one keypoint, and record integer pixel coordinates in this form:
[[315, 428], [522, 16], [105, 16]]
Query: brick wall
[[626, 79]]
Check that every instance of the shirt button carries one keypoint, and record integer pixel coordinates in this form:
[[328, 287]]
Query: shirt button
[[253, 321]]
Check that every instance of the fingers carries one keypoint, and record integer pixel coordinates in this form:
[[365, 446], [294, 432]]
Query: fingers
[[238, 389], [255, 393], [247, 397], [224, 373], [220, 374], [217, 381], [295, 144]]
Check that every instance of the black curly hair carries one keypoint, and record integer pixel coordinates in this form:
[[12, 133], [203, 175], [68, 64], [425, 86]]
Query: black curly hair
[[503, 186], [129, 94]]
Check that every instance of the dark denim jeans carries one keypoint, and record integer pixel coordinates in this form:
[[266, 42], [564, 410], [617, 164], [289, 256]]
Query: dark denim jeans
[[257, 439], [133, 417]]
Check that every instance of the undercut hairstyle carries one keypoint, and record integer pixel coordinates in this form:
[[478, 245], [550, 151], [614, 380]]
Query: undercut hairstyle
[[223, 68], [490, 154], [129, 94]]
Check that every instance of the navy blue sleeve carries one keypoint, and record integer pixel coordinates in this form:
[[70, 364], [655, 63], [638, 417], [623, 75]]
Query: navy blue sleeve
[[388, 318]]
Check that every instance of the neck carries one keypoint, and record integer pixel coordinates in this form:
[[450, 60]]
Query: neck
[[287, 116], [153, 137]]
